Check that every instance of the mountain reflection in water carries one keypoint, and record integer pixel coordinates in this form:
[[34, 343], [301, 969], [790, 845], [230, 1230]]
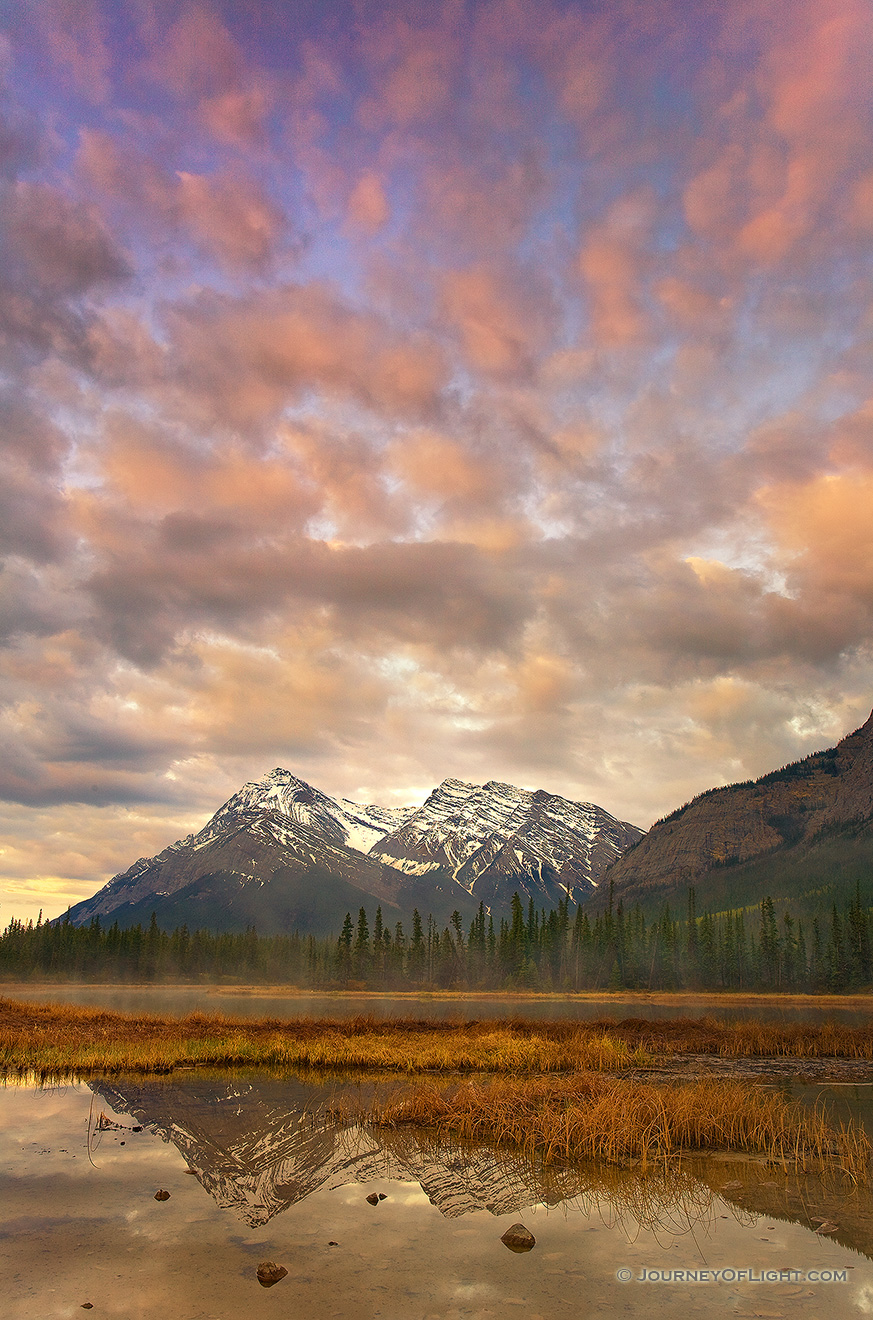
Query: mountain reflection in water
[[259, 1145]]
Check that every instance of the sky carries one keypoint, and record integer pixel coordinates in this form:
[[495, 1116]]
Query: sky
[[394, 391]]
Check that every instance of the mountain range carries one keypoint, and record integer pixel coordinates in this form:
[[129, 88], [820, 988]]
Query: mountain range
[[282, 856]]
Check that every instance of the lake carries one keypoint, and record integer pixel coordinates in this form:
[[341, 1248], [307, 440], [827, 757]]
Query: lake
[[256, 1001], [258, 1170]]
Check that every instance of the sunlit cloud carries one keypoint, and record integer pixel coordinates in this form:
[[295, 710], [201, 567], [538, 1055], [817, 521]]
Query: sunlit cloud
[[394, 393]]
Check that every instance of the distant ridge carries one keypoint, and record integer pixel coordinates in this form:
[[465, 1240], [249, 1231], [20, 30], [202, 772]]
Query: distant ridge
[[788, 831]]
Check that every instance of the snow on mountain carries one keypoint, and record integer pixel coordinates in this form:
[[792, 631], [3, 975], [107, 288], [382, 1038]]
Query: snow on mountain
[[482, 833], [314, 857], [337, 820]]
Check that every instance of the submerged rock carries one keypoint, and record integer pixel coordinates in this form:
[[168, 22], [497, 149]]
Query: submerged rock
[[269, 1273], [518, 1238]]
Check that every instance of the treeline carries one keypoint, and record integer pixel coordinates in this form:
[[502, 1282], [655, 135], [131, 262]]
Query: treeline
[[534, 949]]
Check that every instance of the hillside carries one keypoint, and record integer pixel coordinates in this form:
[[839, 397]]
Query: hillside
[[803, 832]]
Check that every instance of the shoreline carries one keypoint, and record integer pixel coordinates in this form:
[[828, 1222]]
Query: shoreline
[[669, 998]]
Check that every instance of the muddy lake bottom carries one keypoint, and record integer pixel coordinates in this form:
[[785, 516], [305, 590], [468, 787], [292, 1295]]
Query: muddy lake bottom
[[257, 1170]]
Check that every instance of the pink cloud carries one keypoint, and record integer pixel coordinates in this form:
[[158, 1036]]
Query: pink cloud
[[614, 262]]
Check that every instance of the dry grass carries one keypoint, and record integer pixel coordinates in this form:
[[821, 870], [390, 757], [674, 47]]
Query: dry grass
[[595, 1116], [583, 1113], [50, 1040], [617, 1193], [59, 1040]]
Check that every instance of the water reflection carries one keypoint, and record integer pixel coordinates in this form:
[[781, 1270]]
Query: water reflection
[[283, 1186], [257, 1002], [259, 1145]]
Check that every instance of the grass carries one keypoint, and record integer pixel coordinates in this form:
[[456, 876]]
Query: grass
[[556, 1092], [53, 1040], [593, 1115]]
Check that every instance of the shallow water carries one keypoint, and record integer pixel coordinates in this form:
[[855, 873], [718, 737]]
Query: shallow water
[[239, 1002], [274, 1179]]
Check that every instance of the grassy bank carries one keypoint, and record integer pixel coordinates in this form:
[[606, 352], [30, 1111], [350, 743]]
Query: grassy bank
[[52, 1040], [593, 1115], [558, 1095], [60, 1040]]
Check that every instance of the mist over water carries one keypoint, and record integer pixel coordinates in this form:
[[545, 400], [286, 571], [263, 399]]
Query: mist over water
[[242, 1002]]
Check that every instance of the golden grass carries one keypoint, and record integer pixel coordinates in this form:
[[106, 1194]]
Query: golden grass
[[593, 1115], [615, 1192], [57, 1040], [50, 1040], [582, 1113]]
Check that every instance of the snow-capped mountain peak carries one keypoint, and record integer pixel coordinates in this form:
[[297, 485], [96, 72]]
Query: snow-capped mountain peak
[[353, 824], [282, 855]]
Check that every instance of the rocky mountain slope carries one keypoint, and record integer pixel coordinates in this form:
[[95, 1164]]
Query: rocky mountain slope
[[488, 835], [281, 855], [746, 836]]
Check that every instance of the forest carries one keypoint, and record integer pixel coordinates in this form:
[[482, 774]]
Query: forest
[[559, 950]]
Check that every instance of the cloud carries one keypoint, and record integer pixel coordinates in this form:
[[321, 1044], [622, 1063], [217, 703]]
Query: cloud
[[613, 263], [478, 391], [226, 214], [75, 33], [368, 205], [61, 243], [243, 358]]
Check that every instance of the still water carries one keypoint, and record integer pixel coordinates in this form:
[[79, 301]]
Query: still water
[[256, 1170], [241, 1002]]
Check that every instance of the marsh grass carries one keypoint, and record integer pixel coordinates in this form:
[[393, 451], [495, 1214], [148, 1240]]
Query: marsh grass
[[616, 1193], [54, 1040], [621, 1120], [50, 1041]]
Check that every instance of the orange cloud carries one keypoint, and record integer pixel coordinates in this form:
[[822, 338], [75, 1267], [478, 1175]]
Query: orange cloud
[[436, 465], [230, 216], [500, 328], [368, 205], [826, 529], [613, 262]]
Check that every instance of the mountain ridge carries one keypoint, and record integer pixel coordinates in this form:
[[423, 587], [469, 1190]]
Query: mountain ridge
[[281, 854], [785, 815]]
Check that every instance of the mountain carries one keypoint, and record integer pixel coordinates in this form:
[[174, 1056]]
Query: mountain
[[494, 835], [804, 832], [282, 856]]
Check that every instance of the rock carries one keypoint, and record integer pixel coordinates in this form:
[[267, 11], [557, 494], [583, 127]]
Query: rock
[[373, 1199], [333, 1244], [382, 1196], [269, 1273], [161, 1195], [87, 1306], [518, 1238]]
